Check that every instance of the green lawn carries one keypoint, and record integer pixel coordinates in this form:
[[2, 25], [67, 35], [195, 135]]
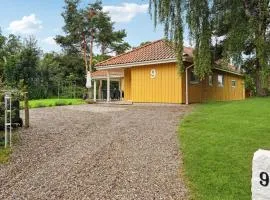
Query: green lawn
[[53, 102], [218, 141]]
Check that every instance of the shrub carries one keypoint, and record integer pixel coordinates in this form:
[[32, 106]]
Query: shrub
[[60, 103], [39, 105], [15, 110]]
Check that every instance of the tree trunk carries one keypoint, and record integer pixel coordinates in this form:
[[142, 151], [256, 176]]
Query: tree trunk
[[261, 91], [84, 54], [91, 53], [103, 49]]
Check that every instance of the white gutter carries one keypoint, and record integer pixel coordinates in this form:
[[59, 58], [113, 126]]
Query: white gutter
[[187, 83]]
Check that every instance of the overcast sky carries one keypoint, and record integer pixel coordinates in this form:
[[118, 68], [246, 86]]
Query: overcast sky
[[42, 18]]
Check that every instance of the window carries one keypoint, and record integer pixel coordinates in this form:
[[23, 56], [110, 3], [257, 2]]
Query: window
[[220, 80], [210, 80], [193, 78], [233, 83]]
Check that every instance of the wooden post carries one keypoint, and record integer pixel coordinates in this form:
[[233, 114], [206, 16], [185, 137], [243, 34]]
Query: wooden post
[[99, 89], [187, 86], [244, 90], [26, 109], [120, 90], [108, 87], [95, 90]]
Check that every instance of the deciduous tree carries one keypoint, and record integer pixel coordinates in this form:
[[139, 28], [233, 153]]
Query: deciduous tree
[[243, 25]]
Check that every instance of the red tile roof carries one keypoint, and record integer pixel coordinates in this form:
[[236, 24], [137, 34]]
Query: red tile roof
[[221, 64], [103, 73], [157, 50]]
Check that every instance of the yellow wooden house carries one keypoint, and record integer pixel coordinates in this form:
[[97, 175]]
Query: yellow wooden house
[[150, 74]]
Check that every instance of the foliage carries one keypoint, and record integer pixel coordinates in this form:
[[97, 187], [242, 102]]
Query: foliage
[[6, 152], [15, 109], [217, 156], [23, 67], [87, 25], [4, 155], [241, 26], [144, 43], [52, 102]]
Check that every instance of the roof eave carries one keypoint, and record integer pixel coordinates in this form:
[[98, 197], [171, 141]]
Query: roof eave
[[135, 64], [105, 77], [228, 71]]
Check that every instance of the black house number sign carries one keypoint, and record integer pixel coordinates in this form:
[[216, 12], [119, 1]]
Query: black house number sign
[[264, 179], [260, 181]]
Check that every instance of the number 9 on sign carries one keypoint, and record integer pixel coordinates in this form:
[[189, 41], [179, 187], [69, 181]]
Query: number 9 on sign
[[260, 175], [153, 73], [264, 179]]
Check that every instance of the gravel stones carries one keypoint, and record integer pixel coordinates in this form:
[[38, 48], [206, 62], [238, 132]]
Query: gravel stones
[[97, 152]]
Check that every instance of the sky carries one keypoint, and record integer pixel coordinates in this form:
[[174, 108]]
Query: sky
[[42, 19]]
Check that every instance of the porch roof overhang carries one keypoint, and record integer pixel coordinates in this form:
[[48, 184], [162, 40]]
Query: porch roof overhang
[[228, 71], [105, 77], [113, 73]]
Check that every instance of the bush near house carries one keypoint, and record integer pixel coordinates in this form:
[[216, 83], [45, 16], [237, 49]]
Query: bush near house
[[52, 102], [15, 106], [218, 141]]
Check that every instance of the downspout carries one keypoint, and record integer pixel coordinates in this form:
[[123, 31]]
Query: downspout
[[187, 102]]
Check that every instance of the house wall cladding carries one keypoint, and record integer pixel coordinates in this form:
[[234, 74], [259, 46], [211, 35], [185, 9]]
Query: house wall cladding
[[127, 84], [203, 92], [169, 87], [162, 86]]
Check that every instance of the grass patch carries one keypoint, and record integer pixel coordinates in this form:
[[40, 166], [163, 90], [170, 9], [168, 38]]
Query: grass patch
[[5, 153], [52, 102], [218, 141]]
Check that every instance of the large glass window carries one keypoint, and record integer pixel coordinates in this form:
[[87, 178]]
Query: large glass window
[[193, 78], [220, 79]]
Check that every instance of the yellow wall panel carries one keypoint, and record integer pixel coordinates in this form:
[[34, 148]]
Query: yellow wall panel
[[169, 87], [127, 85], [165, 87], [204, 92]]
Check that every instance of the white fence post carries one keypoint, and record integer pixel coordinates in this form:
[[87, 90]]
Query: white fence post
[[8, 118]]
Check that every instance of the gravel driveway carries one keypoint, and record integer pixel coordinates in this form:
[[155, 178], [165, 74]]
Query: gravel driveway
[[97, 152]]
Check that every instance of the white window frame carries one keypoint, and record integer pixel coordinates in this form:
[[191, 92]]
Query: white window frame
[[234, 84], [220, 84]]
